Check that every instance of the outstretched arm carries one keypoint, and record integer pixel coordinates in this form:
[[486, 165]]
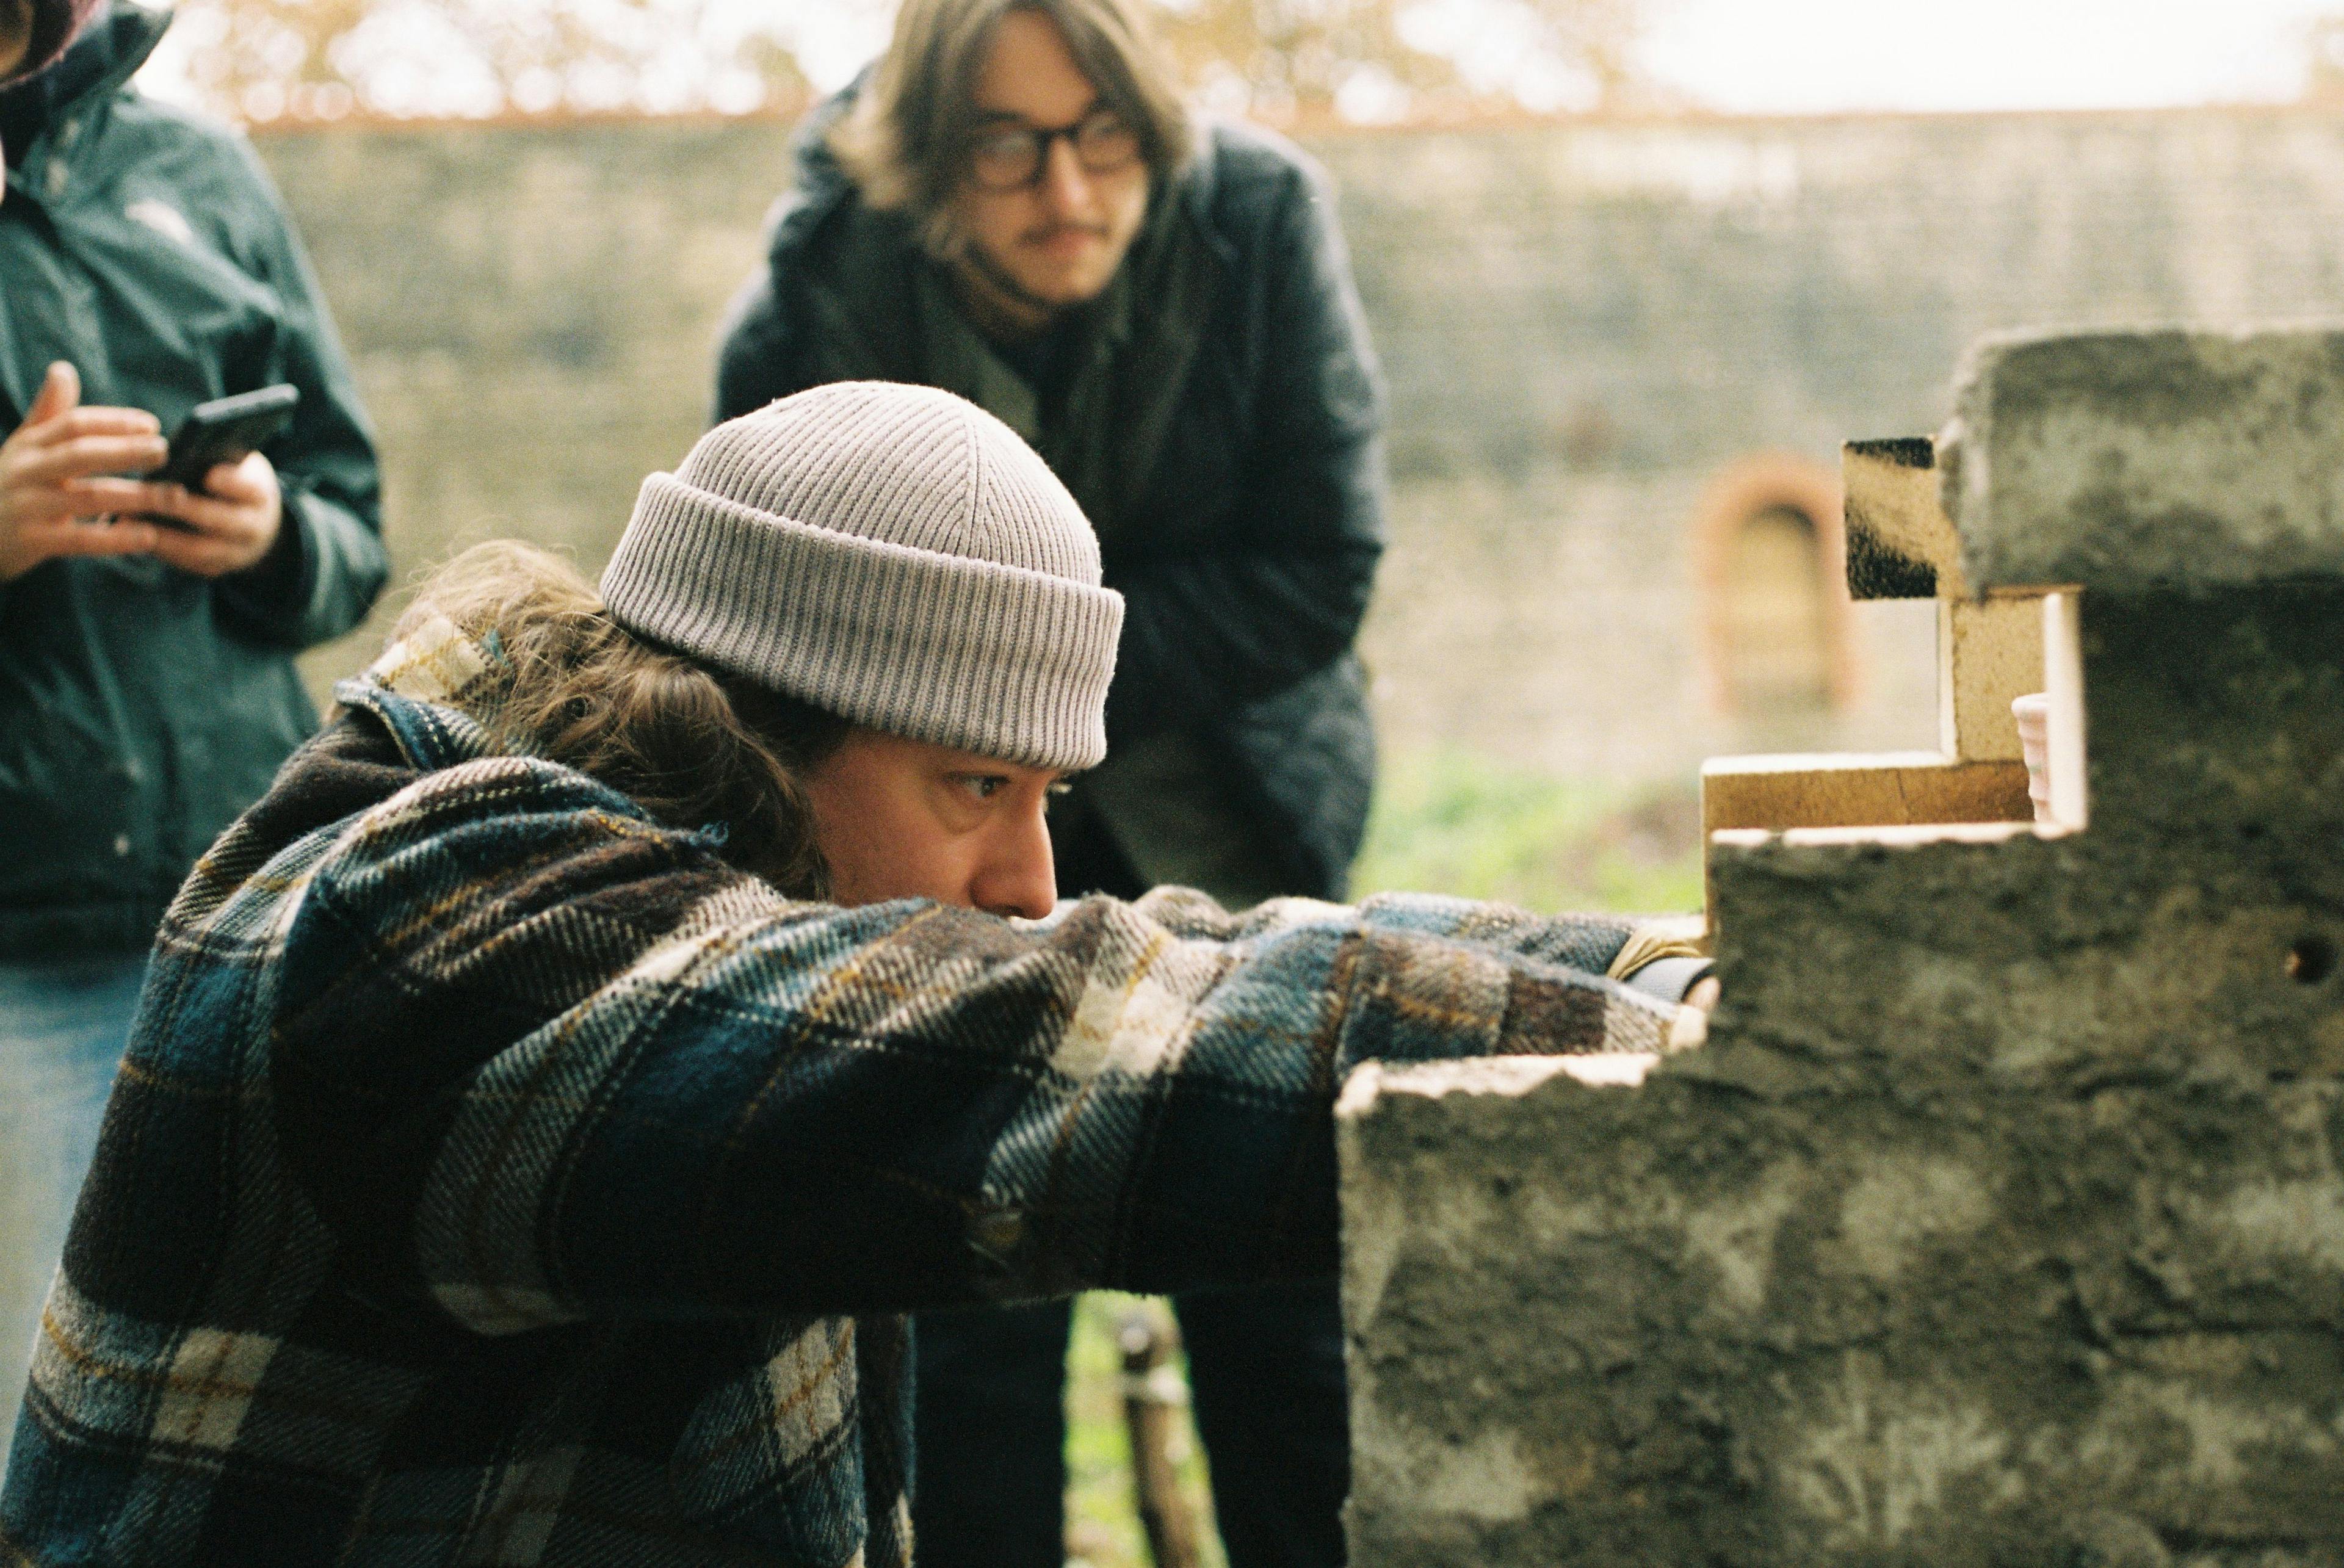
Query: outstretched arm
[[545, 1061]]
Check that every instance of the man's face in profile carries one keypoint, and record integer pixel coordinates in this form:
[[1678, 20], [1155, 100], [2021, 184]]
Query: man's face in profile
[[1056, 240], [898, 818]]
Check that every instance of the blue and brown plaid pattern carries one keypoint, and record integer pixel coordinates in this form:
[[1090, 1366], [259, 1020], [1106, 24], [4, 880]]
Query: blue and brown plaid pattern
[[499, 1177]]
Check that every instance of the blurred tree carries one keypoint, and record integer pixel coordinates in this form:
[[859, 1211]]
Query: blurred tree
[[260, 58], [2323, 81], [1362, 59], [1374, 59]]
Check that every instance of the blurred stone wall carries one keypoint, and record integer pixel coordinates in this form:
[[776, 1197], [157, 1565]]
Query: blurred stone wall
[[1583, 323]]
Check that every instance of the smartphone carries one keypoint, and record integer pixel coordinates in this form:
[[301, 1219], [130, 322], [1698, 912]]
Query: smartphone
[[225, 430]]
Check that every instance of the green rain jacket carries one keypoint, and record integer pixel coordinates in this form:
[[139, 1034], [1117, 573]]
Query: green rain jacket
[[142, 708]]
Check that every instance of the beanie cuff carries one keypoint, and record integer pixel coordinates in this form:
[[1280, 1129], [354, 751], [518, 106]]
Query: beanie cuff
[[984, 657]]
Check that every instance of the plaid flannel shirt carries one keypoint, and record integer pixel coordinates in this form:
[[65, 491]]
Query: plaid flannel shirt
[[499, 1177]]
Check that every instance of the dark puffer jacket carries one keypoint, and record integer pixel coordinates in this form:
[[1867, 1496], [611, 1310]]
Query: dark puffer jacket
[[1246, 548], [141, 707]]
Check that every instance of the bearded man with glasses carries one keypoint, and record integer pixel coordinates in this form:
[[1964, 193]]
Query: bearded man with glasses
[[1016, 204]]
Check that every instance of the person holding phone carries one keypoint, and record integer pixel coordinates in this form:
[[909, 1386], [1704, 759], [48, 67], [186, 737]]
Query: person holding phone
[[147, 691]]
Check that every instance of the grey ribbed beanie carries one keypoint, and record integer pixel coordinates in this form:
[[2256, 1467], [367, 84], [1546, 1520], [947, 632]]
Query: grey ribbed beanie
[[894, 554]]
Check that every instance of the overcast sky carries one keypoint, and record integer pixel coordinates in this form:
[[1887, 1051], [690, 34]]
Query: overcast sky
[[1805, 56], [1819, 56], [1774, 55]]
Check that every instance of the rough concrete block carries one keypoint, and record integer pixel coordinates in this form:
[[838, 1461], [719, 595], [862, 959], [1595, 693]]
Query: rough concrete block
[[2129, 461], [1999, 1224]]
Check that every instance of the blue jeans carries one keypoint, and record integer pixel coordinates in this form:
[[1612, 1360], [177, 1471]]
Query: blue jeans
[[63, 1026]]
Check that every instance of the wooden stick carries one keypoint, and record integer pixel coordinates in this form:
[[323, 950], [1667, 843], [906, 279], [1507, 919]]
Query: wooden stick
[[1153, 1395]]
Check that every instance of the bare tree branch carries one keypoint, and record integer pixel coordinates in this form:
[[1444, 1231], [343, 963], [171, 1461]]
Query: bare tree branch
[[1361, 58]]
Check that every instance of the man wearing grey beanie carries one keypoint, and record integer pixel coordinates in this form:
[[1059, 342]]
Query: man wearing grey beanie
[[546, 1102]]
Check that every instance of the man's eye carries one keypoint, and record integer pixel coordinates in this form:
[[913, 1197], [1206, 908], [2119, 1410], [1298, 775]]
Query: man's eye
[[984, 786], [1105, 129], [1005, 153]]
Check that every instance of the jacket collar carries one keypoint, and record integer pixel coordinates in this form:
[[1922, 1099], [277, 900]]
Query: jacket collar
[[435, 691], [69, 94]]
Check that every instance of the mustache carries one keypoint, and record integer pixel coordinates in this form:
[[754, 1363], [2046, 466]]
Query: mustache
[[1050, 231]]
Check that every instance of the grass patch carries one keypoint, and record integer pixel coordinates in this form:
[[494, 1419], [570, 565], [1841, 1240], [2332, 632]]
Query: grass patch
[[1447, 821], [1101, 1524]]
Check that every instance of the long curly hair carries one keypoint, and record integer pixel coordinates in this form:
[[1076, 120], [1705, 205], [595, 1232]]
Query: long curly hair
[[692, 745]]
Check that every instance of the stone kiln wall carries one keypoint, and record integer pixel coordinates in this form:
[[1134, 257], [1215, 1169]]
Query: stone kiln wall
[[2000, 1223], [1583, 323]]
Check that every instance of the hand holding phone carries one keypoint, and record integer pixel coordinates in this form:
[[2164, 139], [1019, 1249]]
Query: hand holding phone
[[225, 430], [212, 533]]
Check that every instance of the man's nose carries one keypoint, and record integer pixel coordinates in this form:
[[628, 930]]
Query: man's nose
[[1066, 189], [1018, 876]]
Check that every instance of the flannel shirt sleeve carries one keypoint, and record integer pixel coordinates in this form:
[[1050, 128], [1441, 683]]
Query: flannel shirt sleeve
[[543, 1062]]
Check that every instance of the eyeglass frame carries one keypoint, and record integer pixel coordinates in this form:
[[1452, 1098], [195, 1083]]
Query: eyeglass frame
[[1043, 137]]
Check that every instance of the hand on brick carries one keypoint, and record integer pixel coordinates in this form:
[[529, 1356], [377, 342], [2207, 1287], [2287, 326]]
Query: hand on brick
[[58, 490], [228, 525], [1690, 1026]]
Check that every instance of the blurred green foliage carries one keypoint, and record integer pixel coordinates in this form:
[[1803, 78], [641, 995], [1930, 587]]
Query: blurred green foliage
[[1448, 822], [1101, 1524]]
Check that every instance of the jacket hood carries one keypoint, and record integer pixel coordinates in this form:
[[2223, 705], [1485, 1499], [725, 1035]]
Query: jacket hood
[[106, 53], [103, 56], [56, 24], [819, 183]]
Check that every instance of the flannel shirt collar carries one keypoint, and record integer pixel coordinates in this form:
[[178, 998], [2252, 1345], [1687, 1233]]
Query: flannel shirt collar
[[429, 688]]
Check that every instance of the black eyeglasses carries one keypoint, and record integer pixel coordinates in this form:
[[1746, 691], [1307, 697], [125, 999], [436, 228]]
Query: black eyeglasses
[[1011, 158]]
